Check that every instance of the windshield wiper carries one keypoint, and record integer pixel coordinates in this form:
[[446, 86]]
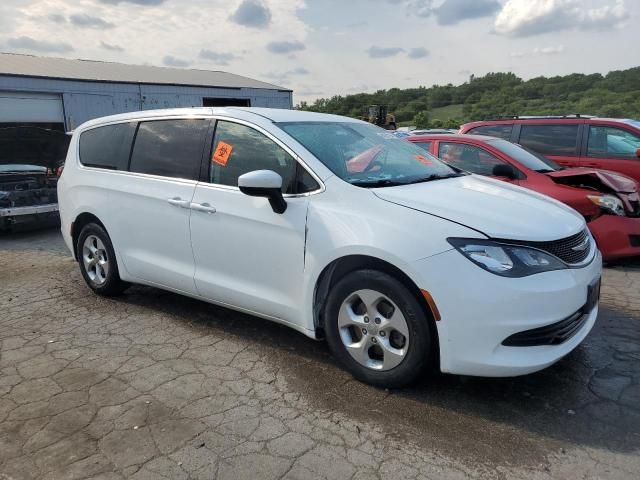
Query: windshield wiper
[[435, 176], [378, 183], [545, 170]]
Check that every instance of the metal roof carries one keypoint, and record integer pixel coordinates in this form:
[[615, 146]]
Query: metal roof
[[97, 71]]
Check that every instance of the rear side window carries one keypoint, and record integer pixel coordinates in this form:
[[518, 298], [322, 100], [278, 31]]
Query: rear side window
[[169, 148], [550, 139], [108, 146], [499, 131]]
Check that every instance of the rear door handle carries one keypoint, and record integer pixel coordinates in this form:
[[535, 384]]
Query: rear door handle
[[203, 207], [178, 202]]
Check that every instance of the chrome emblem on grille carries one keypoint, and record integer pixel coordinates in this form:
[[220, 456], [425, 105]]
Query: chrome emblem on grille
[[582, 246]]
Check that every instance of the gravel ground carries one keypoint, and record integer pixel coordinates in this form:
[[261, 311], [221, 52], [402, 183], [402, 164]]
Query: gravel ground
[[154, 385]]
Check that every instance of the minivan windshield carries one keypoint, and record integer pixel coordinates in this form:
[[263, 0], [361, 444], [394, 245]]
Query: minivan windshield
[[368, 156], [525, 156]]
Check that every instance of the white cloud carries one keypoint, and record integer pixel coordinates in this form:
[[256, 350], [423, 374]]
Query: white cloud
[[537, 51], [522, 18]]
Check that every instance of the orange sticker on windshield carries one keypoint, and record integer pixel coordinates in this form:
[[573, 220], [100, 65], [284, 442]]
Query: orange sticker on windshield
[[424, 160], [222, 153]]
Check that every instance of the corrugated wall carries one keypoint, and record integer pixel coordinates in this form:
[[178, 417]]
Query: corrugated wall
[[87, 100]]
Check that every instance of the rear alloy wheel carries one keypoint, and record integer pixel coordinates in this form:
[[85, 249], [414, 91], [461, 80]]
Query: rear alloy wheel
[[97, 261], [377, 329]]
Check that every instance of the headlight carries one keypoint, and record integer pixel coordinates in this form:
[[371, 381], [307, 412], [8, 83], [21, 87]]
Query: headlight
[[506, 260], [608, 203]]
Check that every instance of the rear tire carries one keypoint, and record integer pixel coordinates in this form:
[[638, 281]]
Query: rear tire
[[97, 261], [377, 329]]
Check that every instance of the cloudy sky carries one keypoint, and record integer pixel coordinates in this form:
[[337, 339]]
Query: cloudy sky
[[326, 47]]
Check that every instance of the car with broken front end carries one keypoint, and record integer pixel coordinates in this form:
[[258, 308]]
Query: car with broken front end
[[609, 201], [29, 160], [336, 228]]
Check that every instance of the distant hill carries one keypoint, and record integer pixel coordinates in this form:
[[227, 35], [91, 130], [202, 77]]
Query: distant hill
[[616, 94]]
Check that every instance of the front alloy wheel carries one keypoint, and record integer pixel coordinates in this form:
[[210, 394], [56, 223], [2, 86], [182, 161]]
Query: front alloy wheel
[[377, 328], [373, 330]]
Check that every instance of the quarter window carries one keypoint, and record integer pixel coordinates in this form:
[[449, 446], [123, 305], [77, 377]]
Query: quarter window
[[559, 139], [239, 149], [612, 142], [469, 158], [499, 131], [169, 148], [108, 146]]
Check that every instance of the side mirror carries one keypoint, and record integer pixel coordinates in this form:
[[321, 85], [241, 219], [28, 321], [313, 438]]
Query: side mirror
[[264, 183], [505, 170], [638, 153]]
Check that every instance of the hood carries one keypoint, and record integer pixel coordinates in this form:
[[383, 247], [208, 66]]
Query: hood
[[615, 181], [496, 209], [33, 146]]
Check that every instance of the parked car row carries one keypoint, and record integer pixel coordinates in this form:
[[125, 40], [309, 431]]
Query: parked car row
[[574, 141], [338, 229]]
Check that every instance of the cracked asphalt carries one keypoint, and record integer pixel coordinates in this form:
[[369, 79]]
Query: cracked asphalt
[[153, 385]]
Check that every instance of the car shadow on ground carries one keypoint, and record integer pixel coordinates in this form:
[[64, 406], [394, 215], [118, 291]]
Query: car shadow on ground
[[587, 399]]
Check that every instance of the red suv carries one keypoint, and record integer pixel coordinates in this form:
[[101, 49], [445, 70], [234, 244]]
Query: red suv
[[572, 141]]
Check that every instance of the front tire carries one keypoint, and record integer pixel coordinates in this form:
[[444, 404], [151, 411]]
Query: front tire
[[97, 261], [377, 329]]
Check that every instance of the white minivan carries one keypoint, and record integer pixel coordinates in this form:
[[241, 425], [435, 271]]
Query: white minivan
[[336, 228]]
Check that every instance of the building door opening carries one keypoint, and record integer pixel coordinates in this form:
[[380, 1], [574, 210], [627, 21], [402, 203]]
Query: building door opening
[[226, 102]]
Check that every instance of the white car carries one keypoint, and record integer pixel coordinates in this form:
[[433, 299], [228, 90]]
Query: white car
[[337, 229]]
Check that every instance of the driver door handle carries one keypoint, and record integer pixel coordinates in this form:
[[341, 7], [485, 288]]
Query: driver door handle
[[203, 207], [178, 202]]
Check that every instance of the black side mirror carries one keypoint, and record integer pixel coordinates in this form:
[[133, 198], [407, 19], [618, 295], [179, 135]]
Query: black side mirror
[[264, 183], [638, 153], [505, 170]]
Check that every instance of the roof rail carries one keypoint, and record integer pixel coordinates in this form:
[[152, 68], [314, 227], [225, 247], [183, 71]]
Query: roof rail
[[540, 117]]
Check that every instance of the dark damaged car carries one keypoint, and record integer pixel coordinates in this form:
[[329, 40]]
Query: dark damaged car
[[609, 201], [30, 158]]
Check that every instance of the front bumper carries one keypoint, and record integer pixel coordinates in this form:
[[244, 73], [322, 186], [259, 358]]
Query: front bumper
[[614, 236], [480, 310]]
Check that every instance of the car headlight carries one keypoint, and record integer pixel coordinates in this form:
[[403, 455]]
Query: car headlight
[[504, 259], [608, 203]]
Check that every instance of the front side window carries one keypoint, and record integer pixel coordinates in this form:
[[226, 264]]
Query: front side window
[[468, 157], [169, 148], [528, 158], [108, 146], [499, 131], [365, 155], [239, 149], [553, 139], [612, 142]]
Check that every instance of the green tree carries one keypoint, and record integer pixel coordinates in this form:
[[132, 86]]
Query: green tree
[[421, 120]]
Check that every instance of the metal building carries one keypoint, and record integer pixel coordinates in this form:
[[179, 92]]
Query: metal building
[[60, 94]]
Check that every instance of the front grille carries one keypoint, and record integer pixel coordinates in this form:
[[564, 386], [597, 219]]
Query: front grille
[[551, 334], [563, 249]]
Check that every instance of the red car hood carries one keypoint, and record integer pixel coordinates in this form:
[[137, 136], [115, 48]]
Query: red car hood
[[615, 181]]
